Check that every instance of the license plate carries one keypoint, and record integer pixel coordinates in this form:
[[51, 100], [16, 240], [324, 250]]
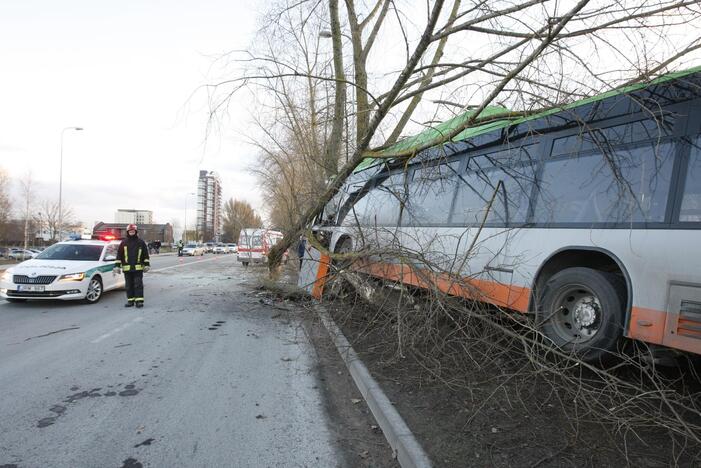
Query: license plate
[[30, 288]]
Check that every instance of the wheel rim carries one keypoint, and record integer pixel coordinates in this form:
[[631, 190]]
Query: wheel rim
[[577, 314], [94, 290]]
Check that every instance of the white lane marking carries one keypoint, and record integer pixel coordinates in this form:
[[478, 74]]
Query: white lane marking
[[185, 263], [116, 330]]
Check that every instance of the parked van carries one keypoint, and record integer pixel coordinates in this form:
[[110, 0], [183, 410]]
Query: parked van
[[255, 244]]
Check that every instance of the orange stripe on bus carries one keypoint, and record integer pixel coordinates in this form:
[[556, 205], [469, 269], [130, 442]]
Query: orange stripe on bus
[[318, 286], [647, 325], [504, 295]]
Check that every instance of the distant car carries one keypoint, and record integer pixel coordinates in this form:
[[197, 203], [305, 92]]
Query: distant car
[[233, 248], [209, 247], [221, 249], [67, 271], [192, 250], [4, 252], [21, 254]]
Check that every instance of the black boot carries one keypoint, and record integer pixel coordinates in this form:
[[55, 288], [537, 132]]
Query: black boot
[[139, 304], [129, 304]]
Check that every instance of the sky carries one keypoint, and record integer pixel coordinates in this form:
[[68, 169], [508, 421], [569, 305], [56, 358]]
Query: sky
[[130, 73]]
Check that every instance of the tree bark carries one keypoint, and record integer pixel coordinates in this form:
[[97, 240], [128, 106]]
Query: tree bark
[[339, 109]]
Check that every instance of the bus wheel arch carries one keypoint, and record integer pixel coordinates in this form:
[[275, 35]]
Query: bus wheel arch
[[344, 244], [580, 274]]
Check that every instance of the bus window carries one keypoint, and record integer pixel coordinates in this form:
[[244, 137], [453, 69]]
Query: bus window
[[691, 200], [431, 195], [606, 138], [510, 206], [379, 206], [618, 186], [503, 158]]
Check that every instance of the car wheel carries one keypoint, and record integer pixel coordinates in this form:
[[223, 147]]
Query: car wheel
[[581, 311], [94, 290]]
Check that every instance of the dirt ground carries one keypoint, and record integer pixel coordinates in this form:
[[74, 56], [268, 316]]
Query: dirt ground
[[466, 414], [477, 416]]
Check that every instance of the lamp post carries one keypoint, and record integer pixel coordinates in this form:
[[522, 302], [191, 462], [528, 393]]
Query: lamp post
[[60, 183], [185, 229]]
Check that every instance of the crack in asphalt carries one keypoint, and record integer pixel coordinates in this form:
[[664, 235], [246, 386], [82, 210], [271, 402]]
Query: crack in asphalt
[[52, 333]]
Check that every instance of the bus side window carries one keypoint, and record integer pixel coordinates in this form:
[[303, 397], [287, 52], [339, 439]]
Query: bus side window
[[379, 206], [621, 185], [430, 196], [691, 200]]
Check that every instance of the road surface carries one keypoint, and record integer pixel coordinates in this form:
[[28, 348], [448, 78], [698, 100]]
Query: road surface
[[205, 375]]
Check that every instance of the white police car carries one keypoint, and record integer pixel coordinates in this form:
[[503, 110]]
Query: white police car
[[68, 270]]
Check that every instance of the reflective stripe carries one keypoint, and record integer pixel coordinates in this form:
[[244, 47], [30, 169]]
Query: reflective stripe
[[126, 267], [139, 299], [138, 256], [126, 254], [139, 267]]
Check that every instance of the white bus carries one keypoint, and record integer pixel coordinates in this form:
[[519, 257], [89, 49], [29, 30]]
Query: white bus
[[587, 216]]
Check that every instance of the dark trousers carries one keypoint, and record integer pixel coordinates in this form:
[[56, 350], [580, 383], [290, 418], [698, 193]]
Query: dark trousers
[[135, 285]]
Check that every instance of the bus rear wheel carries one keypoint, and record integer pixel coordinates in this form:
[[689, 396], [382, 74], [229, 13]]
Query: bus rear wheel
[[581, 312]]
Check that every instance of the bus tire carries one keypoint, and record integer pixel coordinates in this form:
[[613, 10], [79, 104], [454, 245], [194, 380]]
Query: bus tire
[[581, 312]]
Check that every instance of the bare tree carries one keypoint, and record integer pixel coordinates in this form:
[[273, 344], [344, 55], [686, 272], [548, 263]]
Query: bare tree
[[49, 215], [238, 215], [5, 204], [27, 191]]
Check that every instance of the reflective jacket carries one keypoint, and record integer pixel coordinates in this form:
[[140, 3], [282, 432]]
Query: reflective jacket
[[132, 254]]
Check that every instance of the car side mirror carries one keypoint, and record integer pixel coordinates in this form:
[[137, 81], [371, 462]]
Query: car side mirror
[[110, 258]]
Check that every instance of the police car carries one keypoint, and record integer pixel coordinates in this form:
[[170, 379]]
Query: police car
[[81, 269]]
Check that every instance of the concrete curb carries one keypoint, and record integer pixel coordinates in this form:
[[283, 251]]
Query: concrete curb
[[407, 449]]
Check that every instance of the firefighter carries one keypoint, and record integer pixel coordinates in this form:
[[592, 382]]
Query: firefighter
[[180, 248], [133, 259]]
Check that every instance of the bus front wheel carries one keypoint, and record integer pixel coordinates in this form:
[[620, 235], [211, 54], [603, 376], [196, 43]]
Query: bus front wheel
[[581, 312]]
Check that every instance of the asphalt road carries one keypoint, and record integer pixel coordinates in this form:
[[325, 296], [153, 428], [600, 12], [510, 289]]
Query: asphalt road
[[205, 375]]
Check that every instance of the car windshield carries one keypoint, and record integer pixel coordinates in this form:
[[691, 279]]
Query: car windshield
[[72, 252], [191, 246]]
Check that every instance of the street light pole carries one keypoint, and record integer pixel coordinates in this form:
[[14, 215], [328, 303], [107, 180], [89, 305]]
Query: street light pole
[[60, 183]]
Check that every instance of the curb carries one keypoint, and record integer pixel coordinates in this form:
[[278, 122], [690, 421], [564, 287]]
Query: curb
[[406, 448]]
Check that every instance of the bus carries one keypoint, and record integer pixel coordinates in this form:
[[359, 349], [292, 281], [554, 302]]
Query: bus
[[255, 244], [586, 216]]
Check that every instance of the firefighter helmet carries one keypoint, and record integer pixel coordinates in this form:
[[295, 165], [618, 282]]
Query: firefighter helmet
[[131, 227]]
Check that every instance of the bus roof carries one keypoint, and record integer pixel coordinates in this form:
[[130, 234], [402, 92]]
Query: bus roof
[[444, 128]]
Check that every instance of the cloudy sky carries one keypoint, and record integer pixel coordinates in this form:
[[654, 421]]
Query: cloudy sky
[[128, 72]]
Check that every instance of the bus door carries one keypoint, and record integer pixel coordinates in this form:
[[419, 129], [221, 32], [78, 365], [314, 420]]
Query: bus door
[[492, 202]]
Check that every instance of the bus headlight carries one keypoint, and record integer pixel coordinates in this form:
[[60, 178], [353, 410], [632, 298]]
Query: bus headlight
[[73, 277]]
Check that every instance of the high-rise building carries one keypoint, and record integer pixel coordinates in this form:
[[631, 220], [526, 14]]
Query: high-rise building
[[209, 206], [133, 216]]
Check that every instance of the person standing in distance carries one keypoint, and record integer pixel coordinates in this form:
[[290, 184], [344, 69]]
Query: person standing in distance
[[133, 259]]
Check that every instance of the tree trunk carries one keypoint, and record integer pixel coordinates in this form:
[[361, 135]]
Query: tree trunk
[[339, 109]]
